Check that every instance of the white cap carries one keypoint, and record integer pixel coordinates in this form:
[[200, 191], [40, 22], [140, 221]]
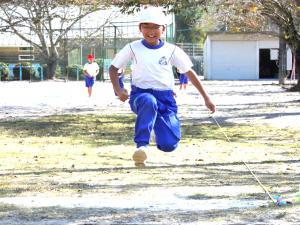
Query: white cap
[[153, 15]]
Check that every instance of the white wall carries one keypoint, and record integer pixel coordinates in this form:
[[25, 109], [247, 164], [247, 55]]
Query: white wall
[[236, 56], [233, 60], [268, 44]]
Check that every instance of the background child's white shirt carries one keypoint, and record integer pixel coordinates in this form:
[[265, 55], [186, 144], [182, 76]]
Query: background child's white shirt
[[91, 68], [152, 68], [121, 70]]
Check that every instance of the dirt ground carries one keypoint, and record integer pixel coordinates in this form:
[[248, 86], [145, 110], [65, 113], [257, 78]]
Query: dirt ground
[[204, 183], [262, 102]]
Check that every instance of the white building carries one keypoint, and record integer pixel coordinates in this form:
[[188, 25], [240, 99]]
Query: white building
[[242, 56]]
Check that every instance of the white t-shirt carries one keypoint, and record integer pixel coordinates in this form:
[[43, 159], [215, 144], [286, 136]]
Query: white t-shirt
[[152, 66], [91, 68]]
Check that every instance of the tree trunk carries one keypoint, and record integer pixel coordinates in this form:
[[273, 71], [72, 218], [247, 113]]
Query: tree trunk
[[297, 87], [282, 59], [51, 58], [297, 64], [51, 68]]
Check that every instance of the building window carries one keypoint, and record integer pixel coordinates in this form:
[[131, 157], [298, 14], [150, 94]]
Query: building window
[[25, 49], [26, 57]]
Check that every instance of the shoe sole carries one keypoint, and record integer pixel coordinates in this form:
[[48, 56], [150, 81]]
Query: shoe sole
[[140, 165], [139, 158]]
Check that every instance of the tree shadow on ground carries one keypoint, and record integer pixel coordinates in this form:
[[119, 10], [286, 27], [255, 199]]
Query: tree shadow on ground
[[115, 129], [97, 130], [238, 113]]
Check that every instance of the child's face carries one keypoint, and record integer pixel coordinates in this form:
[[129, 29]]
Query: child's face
[[152, 32], [90, 60]]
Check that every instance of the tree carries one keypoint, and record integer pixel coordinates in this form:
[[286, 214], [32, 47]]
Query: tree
[[175, 6], [282, 65], [47, 21], [286, 15], [280, 16], [188, 27], [187, 15]]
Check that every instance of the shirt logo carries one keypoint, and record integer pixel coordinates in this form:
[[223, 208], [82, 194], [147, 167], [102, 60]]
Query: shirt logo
[[163, 61]]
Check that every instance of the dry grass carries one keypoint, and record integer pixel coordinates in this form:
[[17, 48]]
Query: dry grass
[[90, 155], [39, 155]]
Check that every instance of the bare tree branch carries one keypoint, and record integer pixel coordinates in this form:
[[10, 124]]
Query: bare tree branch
[[45, 24]]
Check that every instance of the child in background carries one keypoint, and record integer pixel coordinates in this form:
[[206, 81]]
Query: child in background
[[90, 71], [183, 80], [152, 96]]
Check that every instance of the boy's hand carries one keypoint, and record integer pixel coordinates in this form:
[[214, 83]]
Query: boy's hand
[[123, 95], [211, 106]]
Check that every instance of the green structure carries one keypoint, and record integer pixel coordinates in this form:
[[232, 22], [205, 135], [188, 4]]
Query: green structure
[[109, 40]]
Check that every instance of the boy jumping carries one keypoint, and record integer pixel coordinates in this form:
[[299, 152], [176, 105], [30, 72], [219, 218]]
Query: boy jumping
[[152, 97]]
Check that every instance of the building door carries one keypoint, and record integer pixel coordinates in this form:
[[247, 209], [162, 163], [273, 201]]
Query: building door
[[233, 60], [268, 68]]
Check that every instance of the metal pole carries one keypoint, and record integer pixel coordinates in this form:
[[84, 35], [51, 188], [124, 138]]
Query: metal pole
[[115, 39], [42, 73], [77, 73], [80, 42], [103, 56], [20, 72]]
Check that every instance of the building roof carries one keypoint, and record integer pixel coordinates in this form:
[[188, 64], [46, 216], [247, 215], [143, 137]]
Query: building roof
[[245, 36], [12, 40]]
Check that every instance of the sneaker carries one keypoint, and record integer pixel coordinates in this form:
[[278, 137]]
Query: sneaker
[[139, 156]]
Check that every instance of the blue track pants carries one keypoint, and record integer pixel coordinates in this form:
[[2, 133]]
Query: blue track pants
[[155, 110]]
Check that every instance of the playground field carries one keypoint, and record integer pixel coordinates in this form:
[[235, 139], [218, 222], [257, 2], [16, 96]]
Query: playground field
[[65, 159]]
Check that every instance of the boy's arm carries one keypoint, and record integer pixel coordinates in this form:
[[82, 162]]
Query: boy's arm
[[191, 74], [113, 74], [85, 73]]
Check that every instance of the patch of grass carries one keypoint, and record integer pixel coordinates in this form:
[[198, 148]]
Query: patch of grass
[[87, 130], [75, 154], [244, 135], [107, 130], [6, 207]]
